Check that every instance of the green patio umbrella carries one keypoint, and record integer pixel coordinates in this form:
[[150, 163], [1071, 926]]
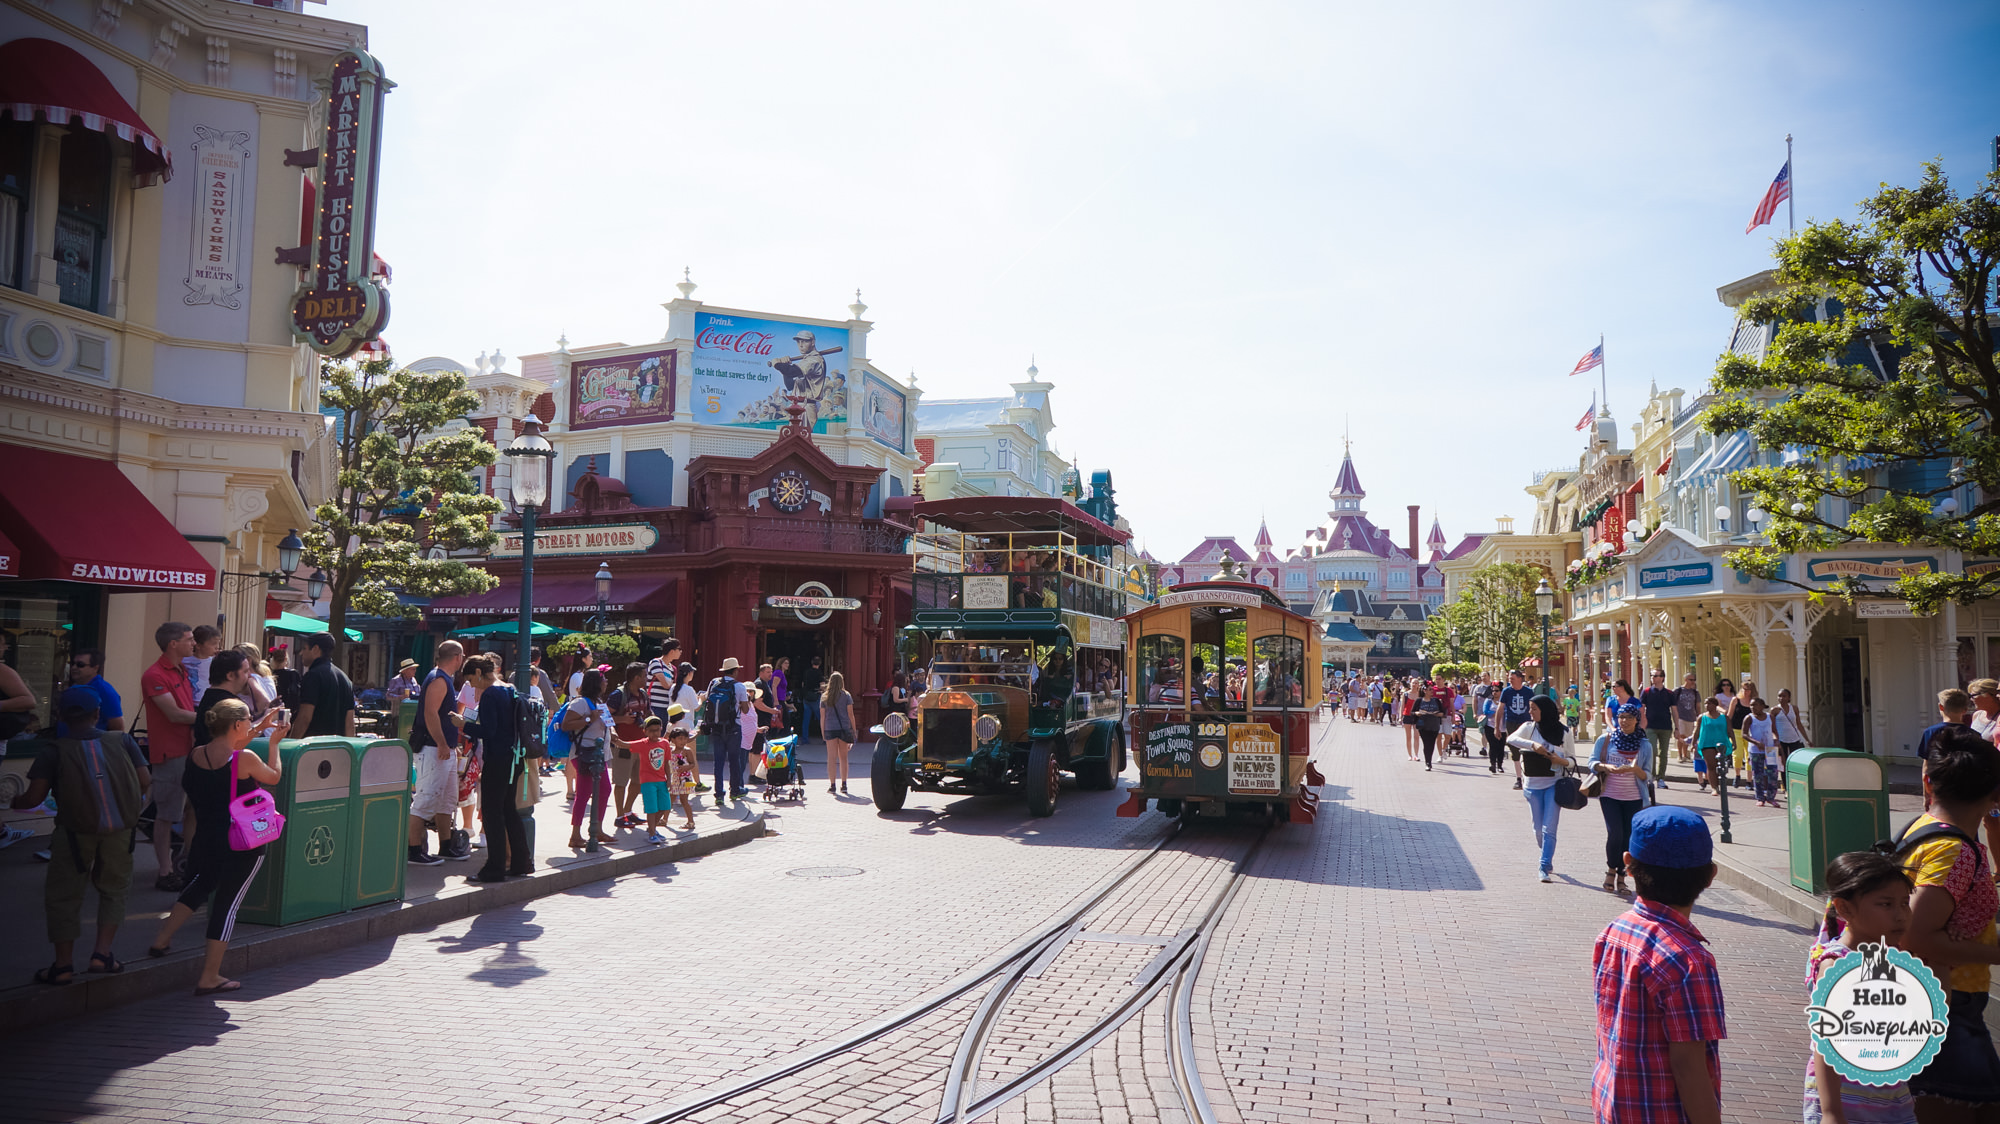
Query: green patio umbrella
[[299, 625], [504, 629]]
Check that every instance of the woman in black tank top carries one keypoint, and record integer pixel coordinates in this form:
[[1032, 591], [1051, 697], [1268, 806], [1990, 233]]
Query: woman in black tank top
[[220, 875]]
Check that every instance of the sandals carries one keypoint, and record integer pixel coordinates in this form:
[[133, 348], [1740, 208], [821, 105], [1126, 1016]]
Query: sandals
[[157, 952], [1610, 881], [111, 964], [225, 985], [56, 975]]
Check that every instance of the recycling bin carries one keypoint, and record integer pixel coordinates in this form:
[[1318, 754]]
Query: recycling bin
[[380, 825], [305, 873], [1839, 802]]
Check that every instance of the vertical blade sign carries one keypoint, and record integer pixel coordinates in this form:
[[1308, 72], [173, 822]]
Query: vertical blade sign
[[341, 307]]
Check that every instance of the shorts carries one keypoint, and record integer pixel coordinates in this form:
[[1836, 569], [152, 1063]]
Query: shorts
[[656, 797], [623, 767], [169, 799], [436, 793]]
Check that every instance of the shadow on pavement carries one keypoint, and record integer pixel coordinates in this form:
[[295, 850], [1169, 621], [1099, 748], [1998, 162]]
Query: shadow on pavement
[[504, 930], [1443, 865]]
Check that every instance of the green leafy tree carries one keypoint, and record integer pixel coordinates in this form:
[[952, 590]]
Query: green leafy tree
[[404, 486], [1494, 616], [1911, 288]]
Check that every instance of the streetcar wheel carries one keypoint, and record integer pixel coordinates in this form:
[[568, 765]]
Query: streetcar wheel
[[1096, 776], [1118, 742], [885, 781], [1170, 806], [1044, 779]]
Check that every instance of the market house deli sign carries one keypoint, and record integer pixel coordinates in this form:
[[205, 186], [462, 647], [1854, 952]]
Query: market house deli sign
[[614, 538], [341, 307]]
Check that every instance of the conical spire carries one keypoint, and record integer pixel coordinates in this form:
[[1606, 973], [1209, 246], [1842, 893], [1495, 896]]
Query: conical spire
[[1436, 537], [1347, 485]]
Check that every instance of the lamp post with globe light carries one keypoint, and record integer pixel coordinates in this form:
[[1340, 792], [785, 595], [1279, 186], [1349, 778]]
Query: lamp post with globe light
[[1545, 604], [532, 455]]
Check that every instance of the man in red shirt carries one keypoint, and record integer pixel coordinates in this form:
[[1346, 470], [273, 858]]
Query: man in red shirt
[[169, 738]]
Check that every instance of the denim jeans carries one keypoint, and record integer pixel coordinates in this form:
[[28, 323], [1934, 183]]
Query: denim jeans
[[809, 716], [1543, 809]]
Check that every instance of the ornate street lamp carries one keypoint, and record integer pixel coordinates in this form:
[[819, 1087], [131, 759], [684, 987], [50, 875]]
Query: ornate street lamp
[[532, 455], [1545, 605], [603, 578], [289, 549]]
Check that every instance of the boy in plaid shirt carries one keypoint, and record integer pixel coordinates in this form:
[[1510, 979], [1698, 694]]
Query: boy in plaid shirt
[[1659, 1001]]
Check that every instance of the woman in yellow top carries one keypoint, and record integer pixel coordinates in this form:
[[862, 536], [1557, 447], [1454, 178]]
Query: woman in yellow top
[[1952, 925]]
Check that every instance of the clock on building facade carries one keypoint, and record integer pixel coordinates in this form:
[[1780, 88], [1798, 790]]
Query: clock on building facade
[[790, 490]]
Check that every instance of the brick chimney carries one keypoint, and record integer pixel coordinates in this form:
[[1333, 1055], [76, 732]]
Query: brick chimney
[[1413, 531]]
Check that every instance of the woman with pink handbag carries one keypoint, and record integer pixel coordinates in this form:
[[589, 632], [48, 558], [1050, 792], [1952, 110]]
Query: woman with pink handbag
[[236, 819]]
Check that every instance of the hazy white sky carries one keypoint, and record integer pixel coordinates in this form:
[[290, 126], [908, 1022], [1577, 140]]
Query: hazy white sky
[[1220, 229]]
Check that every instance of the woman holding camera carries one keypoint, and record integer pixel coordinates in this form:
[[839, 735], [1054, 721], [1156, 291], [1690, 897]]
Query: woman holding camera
[[220, 876]]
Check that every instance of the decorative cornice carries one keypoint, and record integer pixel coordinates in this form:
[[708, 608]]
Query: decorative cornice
[[50, 392]]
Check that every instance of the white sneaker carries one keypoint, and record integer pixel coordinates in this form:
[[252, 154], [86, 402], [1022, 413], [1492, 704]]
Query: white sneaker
[[14, 835], [1548, 876], [479, 844]]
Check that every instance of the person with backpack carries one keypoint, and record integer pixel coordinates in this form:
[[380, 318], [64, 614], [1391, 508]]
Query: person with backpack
[[588, 723], [508, 724], [1951, 927], [100, 780], [725, 707]]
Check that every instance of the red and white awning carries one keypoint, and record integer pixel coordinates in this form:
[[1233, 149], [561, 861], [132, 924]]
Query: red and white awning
[[46, 79]]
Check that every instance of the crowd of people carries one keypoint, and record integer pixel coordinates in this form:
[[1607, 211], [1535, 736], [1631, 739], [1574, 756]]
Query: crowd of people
[[624, 742], [1659, 999]]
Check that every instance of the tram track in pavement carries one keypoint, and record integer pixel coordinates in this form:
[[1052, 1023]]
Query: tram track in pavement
[[1049, 1000]]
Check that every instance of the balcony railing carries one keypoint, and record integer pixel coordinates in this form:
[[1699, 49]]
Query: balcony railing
[[1016, 570], [778, 532]]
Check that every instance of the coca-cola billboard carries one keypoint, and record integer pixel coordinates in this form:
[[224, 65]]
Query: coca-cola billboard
[[747, 370]]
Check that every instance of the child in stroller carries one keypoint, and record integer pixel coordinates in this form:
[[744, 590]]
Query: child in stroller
[[784, 777]]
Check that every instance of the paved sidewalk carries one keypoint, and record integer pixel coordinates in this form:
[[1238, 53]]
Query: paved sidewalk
[[1401, 961], [435, 892]]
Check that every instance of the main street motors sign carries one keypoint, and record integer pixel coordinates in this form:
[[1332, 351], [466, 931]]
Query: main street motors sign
[[613, 538]]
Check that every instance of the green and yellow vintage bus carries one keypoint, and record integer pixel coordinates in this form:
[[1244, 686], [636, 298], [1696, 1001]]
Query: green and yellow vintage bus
[[1225, 684], [1015, 611]]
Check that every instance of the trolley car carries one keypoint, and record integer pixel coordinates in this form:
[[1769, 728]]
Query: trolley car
[[1015, 614], [1225, 680]]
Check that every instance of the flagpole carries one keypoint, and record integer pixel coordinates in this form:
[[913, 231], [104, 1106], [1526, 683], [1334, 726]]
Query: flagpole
[[1603, 373], [1792, 192]]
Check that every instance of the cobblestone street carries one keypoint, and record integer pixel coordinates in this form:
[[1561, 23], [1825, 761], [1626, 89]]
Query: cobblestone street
[[1399, 960]]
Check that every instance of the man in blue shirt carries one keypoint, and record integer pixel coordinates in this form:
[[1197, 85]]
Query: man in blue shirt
[[1514, 711], [86, 669]]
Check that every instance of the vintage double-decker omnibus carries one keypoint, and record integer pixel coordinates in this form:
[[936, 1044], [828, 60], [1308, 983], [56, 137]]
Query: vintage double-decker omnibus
[[1225, 682], [1015, 621]]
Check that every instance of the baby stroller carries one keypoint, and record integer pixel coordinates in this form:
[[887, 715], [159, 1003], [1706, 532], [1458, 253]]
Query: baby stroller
[[784, 777], [1454, 736]]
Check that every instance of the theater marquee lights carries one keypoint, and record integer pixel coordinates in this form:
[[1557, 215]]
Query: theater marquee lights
[[340, 308]]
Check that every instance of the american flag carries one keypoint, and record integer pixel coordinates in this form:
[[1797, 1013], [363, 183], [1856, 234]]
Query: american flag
[[1588, 417], [1592, 358], [1781, 190]]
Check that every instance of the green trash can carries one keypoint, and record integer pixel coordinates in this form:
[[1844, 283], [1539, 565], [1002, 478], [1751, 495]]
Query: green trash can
[[381, 823], [305, 872], [406, 718], [1839, 802]]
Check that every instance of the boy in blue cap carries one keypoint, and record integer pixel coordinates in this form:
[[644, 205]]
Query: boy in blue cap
[[1659, 1000]]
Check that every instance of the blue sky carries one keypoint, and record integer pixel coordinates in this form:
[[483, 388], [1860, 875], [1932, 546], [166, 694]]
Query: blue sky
[[1221, 230]]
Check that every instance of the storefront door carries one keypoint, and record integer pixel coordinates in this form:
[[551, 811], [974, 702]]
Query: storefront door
[[1853, 695]]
